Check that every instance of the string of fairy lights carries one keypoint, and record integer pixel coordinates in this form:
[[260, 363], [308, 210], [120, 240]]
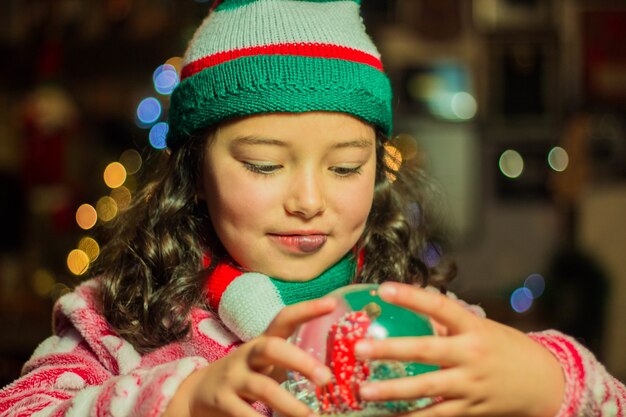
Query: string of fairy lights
[[119, 178]]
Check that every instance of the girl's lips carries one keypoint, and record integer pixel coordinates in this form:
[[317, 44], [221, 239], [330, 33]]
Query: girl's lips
[[301, 243]]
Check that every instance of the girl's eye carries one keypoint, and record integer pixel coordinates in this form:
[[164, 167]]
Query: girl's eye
[[260, 168], [346, 171]]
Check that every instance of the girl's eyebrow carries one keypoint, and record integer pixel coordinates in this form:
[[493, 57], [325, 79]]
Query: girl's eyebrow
[[258, 140], [357, 143]]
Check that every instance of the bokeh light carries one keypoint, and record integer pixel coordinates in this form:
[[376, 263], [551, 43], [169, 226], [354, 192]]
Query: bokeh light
[[521, 300], [59, 290], [165, 79], [511, 163], [86, 216], [443, 89], [77, 262], [43, 282], [158, 135], [393, 161], [131, 183], [90, 247], [558, 159], [463, 105], [122, 197], [536, 284], [149, 110], [106, 208], [176, 62], [407, 146], [431, 255], [131, 159], [114, 175]]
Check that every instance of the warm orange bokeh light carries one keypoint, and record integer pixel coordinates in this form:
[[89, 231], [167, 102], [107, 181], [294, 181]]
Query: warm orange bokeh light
[[90, 247], [86, 216], [43, 282], [77, 262], [114, 175], [106, 208], [122, 197], [393, 161], [176, 62]]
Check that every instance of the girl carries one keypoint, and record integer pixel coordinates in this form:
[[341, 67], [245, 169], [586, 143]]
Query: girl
[[276, 190]]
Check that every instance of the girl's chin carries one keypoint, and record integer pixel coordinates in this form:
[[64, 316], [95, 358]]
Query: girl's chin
[[300, 271], [292, 277]]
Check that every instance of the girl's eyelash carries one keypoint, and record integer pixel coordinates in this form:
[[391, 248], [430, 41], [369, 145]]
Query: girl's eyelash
[[346, 172], [272, 169], [261, 169]]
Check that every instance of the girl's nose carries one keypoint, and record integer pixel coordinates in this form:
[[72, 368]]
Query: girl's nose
[[306, 197]]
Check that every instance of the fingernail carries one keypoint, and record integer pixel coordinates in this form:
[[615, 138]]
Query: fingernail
[[321, 375], [387, 289], [368, 392], [363, 349]]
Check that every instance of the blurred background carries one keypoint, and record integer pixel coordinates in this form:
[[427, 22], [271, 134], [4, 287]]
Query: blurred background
[[516, 107]]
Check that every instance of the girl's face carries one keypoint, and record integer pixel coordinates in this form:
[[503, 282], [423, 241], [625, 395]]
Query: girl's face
[[289, 194]]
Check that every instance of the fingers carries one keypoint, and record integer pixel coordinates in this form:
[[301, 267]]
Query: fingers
[[435, 350], [286, 322], [274, 351], [447, 383], [229, 403], [440, 329], [269, 392], [449, 313]]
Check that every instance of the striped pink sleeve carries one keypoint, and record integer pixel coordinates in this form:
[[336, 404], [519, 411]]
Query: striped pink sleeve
[[85, 370], [590, 391], [74, 383]]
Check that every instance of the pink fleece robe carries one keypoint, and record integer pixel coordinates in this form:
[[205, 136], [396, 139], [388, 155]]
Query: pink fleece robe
[[85, 369]]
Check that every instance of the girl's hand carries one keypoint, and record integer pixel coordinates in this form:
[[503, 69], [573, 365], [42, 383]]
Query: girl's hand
[[487, 369], [228, 386]]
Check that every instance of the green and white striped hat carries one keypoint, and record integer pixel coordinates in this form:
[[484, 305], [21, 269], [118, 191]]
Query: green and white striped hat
[[264, 56]]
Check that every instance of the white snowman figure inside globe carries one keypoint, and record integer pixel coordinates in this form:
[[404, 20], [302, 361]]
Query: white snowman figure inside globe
[[360, 314]]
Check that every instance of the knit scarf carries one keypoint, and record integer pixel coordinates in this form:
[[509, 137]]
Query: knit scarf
[[247, 302]]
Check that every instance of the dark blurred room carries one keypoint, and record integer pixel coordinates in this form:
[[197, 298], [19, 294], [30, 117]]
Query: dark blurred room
[[526, 98]]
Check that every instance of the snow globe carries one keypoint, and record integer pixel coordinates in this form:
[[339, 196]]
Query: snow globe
[[360, 314]]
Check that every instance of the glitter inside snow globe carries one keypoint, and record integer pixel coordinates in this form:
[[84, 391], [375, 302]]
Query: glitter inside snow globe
[[360, 314]]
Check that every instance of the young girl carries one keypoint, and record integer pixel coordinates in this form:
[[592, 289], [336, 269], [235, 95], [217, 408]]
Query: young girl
[[276, 190]]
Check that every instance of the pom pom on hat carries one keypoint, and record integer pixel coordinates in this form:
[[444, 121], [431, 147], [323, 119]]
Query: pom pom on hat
[[264, 56]]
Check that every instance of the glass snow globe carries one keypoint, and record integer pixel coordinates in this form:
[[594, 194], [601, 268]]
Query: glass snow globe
[[360, 314]]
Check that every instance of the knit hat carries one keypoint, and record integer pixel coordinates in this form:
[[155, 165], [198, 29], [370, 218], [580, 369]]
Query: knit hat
[[264, 56]]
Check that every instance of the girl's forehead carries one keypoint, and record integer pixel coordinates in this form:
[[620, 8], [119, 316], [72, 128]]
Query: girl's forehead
[[297, 127]]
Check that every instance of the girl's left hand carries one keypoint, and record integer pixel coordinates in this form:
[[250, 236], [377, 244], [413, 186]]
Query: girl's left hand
[[487, 369]]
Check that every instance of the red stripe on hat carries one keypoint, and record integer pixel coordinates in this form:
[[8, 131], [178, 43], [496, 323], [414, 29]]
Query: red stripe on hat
[[312, 50]]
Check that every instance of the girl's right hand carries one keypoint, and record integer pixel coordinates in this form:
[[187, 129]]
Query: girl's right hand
[[229, 386]]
